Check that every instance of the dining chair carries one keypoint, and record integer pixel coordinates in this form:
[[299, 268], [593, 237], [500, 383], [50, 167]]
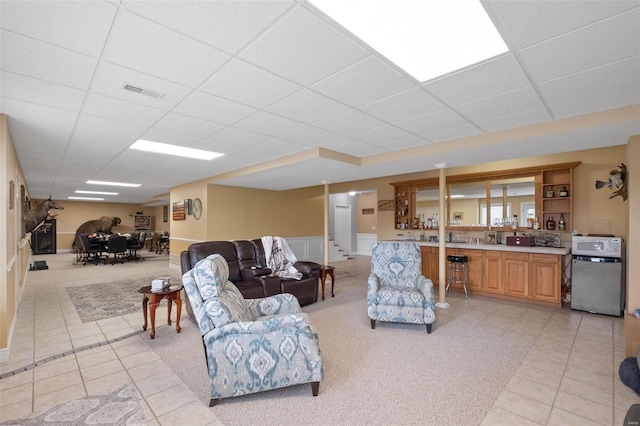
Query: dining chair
[[117, 247]]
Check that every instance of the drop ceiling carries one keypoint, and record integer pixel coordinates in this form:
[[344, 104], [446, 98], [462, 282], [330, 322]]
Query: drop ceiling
[[292, 98]]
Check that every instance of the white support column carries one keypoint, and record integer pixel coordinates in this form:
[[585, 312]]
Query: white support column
[[442, 224], [326, 221]]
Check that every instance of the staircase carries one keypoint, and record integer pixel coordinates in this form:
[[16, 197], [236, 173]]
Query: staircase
[[336, 253]]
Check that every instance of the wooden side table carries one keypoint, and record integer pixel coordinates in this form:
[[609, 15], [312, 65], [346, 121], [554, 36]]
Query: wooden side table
[[171, 294], [324, 271]]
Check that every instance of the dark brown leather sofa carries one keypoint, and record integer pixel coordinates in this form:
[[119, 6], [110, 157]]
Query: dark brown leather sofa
[[248, 270]]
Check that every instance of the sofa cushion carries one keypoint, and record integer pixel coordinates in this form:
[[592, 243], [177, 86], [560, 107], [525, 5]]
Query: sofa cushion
[[223, 302]]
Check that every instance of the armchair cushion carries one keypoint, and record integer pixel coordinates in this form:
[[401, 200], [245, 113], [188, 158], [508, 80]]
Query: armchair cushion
[[222, 300]]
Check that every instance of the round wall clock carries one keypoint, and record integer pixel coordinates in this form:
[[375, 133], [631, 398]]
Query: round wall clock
[[197, 208]]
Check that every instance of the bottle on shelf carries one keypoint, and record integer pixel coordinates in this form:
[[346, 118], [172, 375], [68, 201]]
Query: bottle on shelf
[[551, 224], [564, 192], [530, 221], [561, 224], [536, 223], [514, 222], [549, 192]]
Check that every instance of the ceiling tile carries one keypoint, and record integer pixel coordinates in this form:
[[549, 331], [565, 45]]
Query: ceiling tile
[[530, 22], [21, 55], [308, 107], [363, 83], [597, 103], [105, 133], [214, 145], [309, 135], [515, 120], [248, 84], [31, 118], [405, 143], [239, 137], [404, 105], [60, 22], [110, 80], [188, 125], [268, 124], [169, 137], [147, 47], [495, 76], [440, 120], [350, 123], [227, 25], [597, 81], [19, 87], [382, 135], [281, 146], [117, 109], [303, 48], [509, 103], [607, 41], [453, 133], [213, 108]]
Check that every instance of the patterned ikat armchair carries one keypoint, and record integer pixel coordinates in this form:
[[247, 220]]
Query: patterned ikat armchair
[[251, 345], [397, 291]]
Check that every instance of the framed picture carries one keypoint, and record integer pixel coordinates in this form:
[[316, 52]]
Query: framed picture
[[386, 205], [490, 237], [165, 214], [187, 206], [457, 215], [141, 222]]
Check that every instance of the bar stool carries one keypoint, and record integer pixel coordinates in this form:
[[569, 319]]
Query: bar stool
[[458, 273]]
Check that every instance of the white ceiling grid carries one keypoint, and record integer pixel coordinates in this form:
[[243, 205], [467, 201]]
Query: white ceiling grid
[[261, 80]]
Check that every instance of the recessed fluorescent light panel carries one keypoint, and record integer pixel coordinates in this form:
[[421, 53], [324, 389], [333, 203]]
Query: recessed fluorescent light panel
[[181, 151], [97, 192], [86, 198], [100, 182], [426, 38]]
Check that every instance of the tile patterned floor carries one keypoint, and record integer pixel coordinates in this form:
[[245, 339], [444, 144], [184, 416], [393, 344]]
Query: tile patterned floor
[[569, 376]]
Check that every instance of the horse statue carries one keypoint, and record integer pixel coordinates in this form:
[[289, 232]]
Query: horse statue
[[38, 213]]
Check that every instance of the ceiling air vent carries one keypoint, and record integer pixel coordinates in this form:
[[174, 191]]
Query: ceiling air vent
[[144, 92]]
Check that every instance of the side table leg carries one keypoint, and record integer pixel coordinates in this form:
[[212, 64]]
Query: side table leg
[[154, 305], [145, 302], [169, 310], [323, 278], [178, 313], [333, 281]]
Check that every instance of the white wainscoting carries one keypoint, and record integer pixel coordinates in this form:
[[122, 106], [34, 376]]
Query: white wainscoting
[[307, 248], [364, 243]]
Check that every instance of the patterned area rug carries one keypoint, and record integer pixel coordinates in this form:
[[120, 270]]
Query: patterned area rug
[[119, 407], [106, 300]]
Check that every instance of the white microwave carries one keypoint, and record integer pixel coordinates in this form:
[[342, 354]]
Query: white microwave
[[597, 246]]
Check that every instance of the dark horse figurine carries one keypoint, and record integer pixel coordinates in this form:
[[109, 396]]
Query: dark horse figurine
[[38, 213]]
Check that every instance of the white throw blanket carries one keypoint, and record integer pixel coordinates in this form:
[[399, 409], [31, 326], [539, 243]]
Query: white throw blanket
[[280, 258]]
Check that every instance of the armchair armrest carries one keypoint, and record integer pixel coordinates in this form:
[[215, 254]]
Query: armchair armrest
[[373, 285], [277, 304], [269, 324]]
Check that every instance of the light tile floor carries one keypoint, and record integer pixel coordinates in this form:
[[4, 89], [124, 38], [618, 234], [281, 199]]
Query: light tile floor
[[569, 377]]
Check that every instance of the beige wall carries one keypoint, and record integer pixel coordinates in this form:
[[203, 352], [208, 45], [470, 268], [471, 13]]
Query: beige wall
[[367, 223], [75, 213], [14, 250]]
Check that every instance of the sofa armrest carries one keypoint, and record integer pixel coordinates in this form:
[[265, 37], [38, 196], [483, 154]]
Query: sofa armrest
[[254, 271], [307, 268]]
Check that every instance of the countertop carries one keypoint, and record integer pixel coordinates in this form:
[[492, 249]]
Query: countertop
[[562, 251]]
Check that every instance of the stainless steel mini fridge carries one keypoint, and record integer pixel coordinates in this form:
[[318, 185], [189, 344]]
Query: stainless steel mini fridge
[[597, 278]]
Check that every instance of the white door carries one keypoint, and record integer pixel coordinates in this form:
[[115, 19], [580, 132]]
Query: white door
[[342, 227]]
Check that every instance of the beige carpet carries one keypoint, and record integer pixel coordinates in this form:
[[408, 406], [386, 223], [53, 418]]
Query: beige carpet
[[394, 375]]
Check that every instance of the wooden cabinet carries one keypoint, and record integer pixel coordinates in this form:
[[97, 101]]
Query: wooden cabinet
[[430, 263], [516, 274], [405, 199], [557, 199], [515, 278], [492, 272], [474, 267], [545, 276]]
